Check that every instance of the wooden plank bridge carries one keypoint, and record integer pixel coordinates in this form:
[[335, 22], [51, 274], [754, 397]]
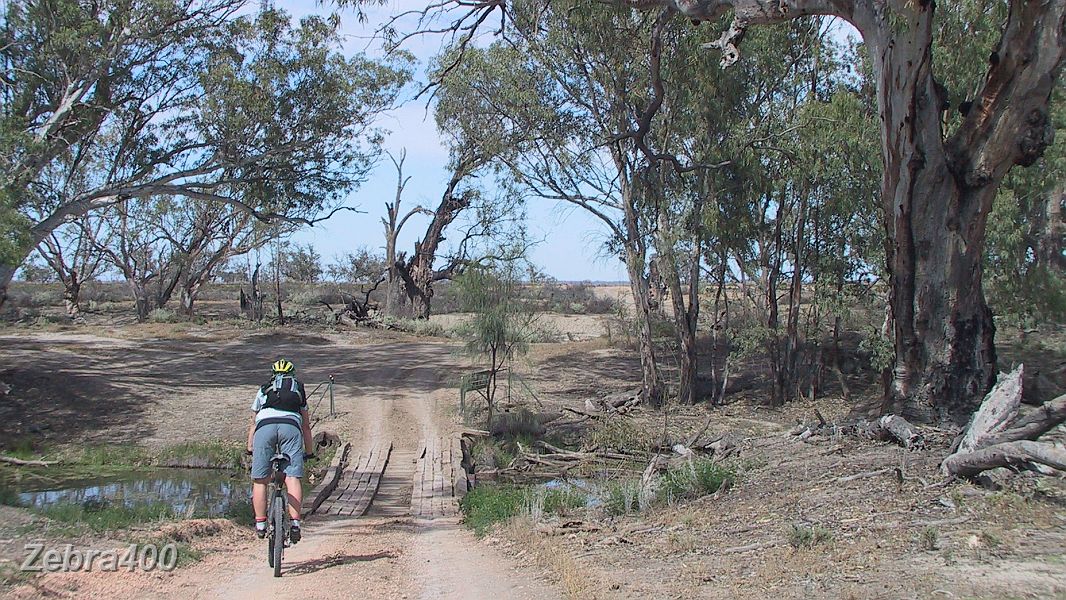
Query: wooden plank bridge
[[350, 486], [440, 480]]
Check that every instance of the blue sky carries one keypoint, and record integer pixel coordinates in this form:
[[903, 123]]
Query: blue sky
[[571, 240]]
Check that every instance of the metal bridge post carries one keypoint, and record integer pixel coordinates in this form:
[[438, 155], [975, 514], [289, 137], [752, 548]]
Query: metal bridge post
[[332, 411]]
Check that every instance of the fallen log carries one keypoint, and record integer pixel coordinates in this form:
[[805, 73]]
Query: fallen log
[[1009, 454], [996, 412], [900, 430], [1035, 424], [581, 413], [11, 460], [998, 437]]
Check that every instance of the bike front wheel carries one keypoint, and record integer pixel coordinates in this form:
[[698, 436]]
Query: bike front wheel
[[277, 521]]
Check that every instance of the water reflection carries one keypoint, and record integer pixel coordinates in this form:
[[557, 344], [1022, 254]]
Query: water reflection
[[202, 492]]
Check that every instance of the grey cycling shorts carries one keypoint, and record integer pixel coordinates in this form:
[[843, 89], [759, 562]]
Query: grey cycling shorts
[[268, 439]]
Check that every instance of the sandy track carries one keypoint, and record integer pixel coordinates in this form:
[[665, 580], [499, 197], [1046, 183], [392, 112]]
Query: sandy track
[[399, 391]]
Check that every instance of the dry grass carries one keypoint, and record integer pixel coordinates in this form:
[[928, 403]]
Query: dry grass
[[576, 581]]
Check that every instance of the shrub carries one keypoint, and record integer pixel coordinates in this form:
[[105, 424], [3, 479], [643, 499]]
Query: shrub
[[162, 315], [695, 479], [521, 423], [929, 538], [622, 497], [619, 434], [803, 536]]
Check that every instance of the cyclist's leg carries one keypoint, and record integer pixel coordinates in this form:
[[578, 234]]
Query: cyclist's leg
[[292, 444], [263, 445]]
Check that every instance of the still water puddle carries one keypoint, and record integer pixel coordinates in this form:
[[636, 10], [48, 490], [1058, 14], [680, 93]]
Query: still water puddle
[[200, 492]]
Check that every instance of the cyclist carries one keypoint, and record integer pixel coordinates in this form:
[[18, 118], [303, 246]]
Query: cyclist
[[279, 421]]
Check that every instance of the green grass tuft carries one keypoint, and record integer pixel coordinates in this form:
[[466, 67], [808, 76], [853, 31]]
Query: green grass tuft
[[622, 497], [802, 536], [695, 479], [102, 515], [225, 455], [488, 504]]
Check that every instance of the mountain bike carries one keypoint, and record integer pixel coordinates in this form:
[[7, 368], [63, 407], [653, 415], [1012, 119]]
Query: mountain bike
[[279, 524]]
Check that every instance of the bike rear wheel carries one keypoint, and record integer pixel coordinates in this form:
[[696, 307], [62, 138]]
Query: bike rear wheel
[[277, 544]]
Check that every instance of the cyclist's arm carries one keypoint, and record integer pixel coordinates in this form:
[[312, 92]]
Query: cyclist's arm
[[306, 430], [256, 405], [251, 432]]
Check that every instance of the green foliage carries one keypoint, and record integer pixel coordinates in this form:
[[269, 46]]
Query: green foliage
[[421, 327], [35, 272], [126, 455], [804, 536], [163, 315], [250, 108], [501, 325], [692, 480], [301, 263], [880, 350], [488, 504], [361, 266], [216, 454], [622, 497]]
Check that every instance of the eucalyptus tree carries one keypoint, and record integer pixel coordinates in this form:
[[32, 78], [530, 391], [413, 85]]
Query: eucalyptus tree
[[938, 184], [546, 111], [939, 178], [71, 253], [176, 98]]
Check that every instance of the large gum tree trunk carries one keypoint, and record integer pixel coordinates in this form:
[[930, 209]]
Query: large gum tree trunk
[[636, 253], [72, 297], [937, 194], [943, 331]]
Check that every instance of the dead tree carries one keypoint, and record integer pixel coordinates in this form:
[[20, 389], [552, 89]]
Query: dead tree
[[417, 271], [393, 225], [252, 305], [998, 437]]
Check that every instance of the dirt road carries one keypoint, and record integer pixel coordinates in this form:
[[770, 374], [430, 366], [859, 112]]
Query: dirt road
[[400, 391]]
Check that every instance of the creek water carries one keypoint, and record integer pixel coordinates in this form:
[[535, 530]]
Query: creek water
[[200, 492]]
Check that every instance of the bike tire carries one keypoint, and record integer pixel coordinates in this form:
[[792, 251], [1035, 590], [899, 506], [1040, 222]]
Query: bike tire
[[270, 550], [277, 517], [270, 538]]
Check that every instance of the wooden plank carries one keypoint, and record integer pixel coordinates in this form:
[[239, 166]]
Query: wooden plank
[[354, 493]]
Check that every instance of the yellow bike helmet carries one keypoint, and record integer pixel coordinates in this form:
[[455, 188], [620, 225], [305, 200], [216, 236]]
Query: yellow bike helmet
[[283, 366]]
